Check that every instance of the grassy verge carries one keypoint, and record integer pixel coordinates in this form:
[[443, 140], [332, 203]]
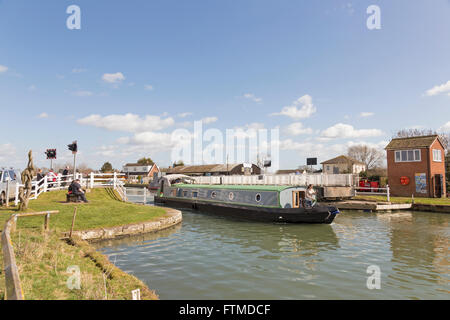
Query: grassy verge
[[43, 258], [435, 201]]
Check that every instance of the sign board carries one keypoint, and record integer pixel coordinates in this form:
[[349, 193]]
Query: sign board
[[51, 154], [421, 182], [311, 161], [136, 294]]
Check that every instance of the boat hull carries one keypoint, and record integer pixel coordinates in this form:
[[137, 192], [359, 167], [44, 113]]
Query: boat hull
[[316, 214]]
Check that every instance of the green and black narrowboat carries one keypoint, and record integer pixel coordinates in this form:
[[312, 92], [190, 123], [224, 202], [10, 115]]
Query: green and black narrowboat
[[265, 203]]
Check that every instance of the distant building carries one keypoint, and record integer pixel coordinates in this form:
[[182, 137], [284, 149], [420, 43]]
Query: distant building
[[134, 170], [343, 164], [416, 166], [215, 169]]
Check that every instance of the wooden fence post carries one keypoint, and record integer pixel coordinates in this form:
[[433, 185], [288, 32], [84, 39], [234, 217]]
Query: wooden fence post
[[73, 222], [46, 221]]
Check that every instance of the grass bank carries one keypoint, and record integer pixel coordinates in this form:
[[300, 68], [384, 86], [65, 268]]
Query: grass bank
[[43, 259], [433, 201]]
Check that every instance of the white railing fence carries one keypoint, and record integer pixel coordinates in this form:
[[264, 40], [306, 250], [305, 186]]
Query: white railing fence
[[344, 180], [371, 191], [60, 182]]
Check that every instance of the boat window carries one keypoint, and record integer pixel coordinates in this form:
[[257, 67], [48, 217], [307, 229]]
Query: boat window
[[213, 194], [174, 193], [194, 194], [231, 196], [258, 197], [184, 193]]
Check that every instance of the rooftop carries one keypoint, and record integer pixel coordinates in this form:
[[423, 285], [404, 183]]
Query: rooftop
[[342, 159], [233, 187], [412, 142], [212, 168]]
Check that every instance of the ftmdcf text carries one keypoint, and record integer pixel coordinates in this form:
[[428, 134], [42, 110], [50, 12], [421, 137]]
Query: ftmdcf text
[[228, 309]]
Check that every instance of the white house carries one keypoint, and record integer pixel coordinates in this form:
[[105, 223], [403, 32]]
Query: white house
[[343, 164], [133, 170]]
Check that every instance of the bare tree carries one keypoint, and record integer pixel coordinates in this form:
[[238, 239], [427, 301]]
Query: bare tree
[[372, 157]]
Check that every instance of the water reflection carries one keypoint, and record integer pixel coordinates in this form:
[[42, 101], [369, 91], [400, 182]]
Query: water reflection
[[209, 257]]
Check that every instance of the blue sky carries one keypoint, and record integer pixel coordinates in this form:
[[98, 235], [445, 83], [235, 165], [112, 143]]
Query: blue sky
[[235, 63]]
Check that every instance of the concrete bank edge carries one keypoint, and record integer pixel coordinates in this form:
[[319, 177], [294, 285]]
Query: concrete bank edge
[[171, 218]]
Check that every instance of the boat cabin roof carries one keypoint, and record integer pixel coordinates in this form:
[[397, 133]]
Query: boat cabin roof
[[233, 187]]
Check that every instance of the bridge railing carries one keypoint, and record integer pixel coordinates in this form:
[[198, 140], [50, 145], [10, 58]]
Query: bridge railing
[[62, 182]]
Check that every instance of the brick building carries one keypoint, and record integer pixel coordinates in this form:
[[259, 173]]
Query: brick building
[[416, 166]]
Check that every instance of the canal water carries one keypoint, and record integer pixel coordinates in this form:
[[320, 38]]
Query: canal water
[[209, 257]]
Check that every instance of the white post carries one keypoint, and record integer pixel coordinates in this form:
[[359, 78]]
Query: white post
[[145, 195], [125, 194], [16, 199], [388, 193], [45, 186], [7, 193], [114, 180], [58, 180], [92, 180]]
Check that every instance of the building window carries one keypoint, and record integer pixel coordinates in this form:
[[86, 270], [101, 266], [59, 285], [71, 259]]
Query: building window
[[408, 156], [437, 155], [194, 194]]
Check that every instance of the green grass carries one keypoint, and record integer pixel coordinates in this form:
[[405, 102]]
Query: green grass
[[435, 201], [43, 261], [103, 210], [43, 258]]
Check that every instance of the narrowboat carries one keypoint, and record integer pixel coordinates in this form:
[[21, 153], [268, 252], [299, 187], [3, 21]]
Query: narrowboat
[[253, 202]]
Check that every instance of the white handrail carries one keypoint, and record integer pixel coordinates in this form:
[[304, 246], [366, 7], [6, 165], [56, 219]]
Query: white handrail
[[62, 182]]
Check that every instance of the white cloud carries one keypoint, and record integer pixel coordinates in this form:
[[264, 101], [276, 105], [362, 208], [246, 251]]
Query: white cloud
[[128, 122], [79, 70], [83, 93], [148, 87], [113, 77], [208, 120], [307, 108], [443, 88], [366, 114], [3, 68], [345, 131], [152, 141], [184, 114], [296, 129], [7, 151], [32, 88], [106, 151], [445, 127], [252, 97], [43, 115]]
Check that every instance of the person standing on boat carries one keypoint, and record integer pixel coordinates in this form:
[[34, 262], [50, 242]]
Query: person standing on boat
[[310, 196]]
